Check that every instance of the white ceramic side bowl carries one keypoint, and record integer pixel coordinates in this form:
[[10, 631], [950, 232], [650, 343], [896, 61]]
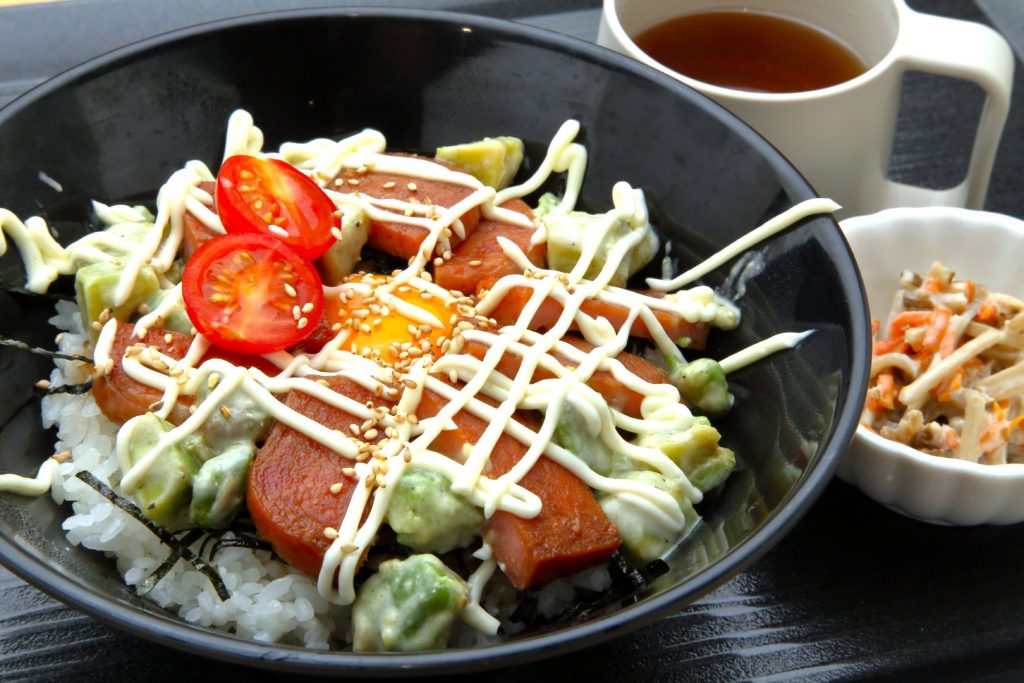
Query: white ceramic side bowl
[[982, 246]]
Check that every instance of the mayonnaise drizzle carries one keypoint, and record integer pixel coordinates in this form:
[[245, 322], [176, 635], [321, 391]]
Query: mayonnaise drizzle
[[156, 244]]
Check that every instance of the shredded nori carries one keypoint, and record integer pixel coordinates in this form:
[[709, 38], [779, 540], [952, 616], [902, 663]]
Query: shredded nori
[[14, 343], [179, 547], [75, 389]]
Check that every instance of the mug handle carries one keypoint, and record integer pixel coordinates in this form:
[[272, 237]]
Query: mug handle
[[972, 52]]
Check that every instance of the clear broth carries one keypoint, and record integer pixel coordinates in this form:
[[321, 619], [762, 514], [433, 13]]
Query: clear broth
[[752, 51]]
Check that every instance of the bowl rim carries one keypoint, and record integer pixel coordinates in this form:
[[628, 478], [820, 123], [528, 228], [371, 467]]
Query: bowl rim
[[168, 629], [887, 222]]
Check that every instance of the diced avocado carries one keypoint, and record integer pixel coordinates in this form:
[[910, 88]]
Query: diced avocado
[[492, 161], [703, 385], [696, 451], [572, 434], [344, 254], [218, 490], [165, 491], [176, 320], [237, 418], [640, 539], [408, 605], [428, 516], [96, 285], [567, 234]]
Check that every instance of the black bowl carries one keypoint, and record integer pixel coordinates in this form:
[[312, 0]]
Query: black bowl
[[114, 128]]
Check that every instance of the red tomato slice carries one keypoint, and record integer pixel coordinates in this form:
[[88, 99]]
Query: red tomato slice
[[273, 198], [251, 293]]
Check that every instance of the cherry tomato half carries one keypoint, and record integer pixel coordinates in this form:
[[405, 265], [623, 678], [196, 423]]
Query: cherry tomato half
[[251, 293], [271, 197]]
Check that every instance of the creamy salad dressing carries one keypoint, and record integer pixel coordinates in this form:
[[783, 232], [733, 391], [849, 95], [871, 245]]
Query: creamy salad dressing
[[408, 443]]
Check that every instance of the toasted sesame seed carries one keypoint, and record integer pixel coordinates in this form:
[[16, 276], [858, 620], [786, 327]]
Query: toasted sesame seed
[[475, 262], [61, 456], [352, 181], [330, 532], [225, 411], [43, 384], [349, 547], [388, 185], [370, 434], [338, 487]]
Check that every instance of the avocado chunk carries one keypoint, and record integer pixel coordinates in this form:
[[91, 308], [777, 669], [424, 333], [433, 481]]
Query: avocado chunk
[[492, 161], [341, 258], [176, 320], [238, 418], [218, 490], [96, 285], [408, 605], [568, 233], [428, 516], [696, 452], [703, 385], [573, 434], [165, 492], [641, 540]]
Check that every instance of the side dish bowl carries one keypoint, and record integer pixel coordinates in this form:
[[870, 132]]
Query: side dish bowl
[[113, 129], [978, 245]]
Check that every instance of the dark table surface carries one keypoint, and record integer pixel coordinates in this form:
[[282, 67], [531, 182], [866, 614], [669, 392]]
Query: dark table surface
[[853, 592]]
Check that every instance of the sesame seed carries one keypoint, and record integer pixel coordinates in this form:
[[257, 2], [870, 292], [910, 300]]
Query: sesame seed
[[349, 547], [212, 381], [330, 532], [225, 411], [62, 456], [338, 487], [349, 471], [43, 384], [411, 187], [409, 383], [354, 428], [475, 262], [388, 185], [155, 406], [336, 233], [352, 181], [370, 434]]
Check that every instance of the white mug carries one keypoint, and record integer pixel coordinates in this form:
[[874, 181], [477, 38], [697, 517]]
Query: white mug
[[841, 137]]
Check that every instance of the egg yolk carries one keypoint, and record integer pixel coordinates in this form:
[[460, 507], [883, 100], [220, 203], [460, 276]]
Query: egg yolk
[[394, 323]]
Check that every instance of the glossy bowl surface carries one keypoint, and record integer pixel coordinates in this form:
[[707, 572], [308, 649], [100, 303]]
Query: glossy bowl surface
[[116, 127], [979, 245]]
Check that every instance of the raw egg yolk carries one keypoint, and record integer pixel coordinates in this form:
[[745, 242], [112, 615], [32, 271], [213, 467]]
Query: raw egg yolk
[[396, 323]]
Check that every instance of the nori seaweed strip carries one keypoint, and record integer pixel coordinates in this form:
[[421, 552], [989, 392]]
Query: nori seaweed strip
[[75, 389], [238, 542], [150, 581], [166, 537], [14, 343]]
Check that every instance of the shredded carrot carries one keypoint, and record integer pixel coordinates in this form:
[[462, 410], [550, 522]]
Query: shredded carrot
[[883, 395], [944, 391], [936, 328], [969, 290], [952, 440], [932, 284], [988, 313]]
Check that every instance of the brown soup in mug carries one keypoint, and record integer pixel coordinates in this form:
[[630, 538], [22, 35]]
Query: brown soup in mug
[[752, 51]]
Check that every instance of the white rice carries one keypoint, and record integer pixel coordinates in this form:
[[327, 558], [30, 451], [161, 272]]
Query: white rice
[[270, 601]]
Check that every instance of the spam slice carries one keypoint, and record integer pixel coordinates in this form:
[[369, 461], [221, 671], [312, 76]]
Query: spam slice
[[291, 493], [479, 258], [570, 534], [395, 237], [118, 395]]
